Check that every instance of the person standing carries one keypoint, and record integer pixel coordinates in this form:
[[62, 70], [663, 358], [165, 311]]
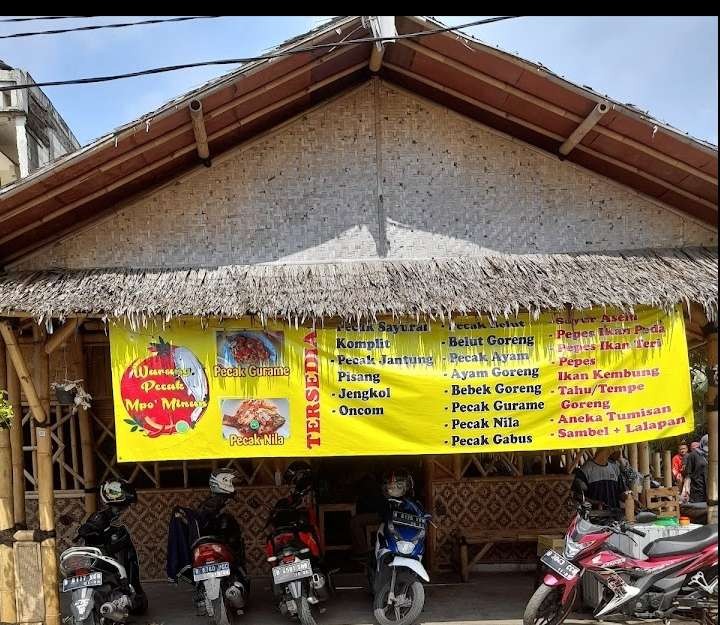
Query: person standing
[[605, 483], [677, 463], [694, 474]]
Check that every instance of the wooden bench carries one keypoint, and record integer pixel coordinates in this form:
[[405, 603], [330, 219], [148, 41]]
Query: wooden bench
[[488, 538]]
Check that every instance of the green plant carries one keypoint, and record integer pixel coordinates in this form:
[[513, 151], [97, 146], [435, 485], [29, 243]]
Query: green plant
[[6, 411]]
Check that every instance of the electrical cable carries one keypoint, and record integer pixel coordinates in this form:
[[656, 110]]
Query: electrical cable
[[100, 26], [242, 61]]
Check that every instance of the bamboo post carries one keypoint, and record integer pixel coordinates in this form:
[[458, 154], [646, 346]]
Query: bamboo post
[[667, 465], [644, 462], [457, 466], [8, 613], [630, 508], [633, 458], [16, 443], [46, 496], [657, 466], [46, 493], [711, 412], [78, 364], [429, 474]]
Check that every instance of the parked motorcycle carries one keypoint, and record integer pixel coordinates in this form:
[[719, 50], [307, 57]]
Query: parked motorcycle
[[299, 579], [218, 555], [103, 575], [396, 566], [678, 576]]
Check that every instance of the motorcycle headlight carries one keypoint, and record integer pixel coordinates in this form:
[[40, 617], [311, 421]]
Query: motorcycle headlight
[[572, 549], [405, 547]]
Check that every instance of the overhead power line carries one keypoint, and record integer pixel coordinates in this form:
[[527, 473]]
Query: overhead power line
[[242, 61], [46, 17], [100, 26]]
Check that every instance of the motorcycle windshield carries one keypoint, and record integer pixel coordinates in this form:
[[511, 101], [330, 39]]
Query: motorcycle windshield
[[584, 527]]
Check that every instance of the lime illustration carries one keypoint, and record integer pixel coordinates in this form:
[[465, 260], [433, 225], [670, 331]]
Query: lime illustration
[[182, 426]]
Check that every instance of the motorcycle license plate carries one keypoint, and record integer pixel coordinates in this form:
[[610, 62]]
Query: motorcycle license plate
[[208, 571], [289, 572], [563, 567], [411, 520], [81, 581]]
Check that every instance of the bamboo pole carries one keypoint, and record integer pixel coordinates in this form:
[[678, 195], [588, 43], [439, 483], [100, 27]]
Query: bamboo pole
[[667, 465], [712, 424], [16, 442], [8, 613], [62, 334], [38, 399], [429, 474], [198, 126], [46, 493], [79, 366], [644, 468], [657, 466]]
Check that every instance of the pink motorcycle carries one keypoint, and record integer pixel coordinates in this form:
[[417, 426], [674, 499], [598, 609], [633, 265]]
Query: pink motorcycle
[[678, 578]]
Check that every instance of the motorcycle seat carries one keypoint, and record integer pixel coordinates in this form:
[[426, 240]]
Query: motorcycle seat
[[689, 542], [204, 540]]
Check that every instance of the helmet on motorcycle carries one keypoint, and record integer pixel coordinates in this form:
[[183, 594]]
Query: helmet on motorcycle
[[398, 484], [298, 475], [222, 482], [117, 493]]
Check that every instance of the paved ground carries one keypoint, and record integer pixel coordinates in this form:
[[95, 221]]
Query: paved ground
[[499, 598]]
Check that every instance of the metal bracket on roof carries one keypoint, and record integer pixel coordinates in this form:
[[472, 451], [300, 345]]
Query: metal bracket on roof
[[382, 26]]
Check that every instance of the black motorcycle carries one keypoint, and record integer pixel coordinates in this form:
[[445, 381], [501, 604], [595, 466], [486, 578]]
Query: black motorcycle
[[103, 574]]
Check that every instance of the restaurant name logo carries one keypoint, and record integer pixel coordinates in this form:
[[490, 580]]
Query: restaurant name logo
[[165, 392]]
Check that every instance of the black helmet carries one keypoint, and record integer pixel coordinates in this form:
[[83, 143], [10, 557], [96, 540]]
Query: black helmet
[[298, 475], [117, 492], [398, 484]]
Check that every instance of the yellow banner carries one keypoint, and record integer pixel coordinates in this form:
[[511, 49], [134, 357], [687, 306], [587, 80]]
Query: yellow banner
[[236, 389]]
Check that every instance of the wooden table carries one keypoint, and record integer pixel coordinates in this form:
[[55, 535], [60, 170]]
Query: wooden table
[[488, 538]]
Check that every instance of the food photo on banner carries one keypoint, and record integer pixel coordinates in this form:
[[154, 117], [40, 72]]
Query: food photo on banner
[[593, 378]]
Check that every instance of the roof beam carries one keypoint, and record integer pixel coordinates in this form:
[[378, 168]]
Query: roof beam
[[557, 110], [198, 126], [180, 130], [586, 126], [181, 151], [139, 125], [548, 133], [37, 246]]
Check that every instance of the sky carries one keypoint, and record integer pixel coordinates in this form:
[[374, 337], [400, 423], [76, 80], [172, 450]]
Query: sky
[[665, 65]]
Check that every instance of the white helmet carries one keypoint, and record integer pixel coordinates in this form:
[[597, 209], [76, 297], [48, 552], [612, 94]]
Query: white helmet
[[221, 482]]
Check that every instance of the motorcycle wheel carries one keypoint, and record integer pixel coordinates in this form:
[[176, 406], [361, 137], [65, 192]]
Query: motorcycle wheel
[[405, 584], [710, 615], [220, 614], [304, 613], [141, 604], [545, 607]]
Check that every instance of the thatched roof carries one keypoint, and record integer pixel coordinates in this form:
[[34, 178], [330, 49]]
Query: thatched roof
[[493, 284]]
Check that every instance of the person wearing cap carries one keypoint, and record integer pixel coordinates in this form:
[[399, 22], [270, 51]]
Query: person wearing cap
[[694, 474]]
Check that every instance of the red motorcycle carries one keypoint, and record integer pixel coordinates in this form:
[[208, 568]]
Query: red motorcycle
[[678, 577]]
